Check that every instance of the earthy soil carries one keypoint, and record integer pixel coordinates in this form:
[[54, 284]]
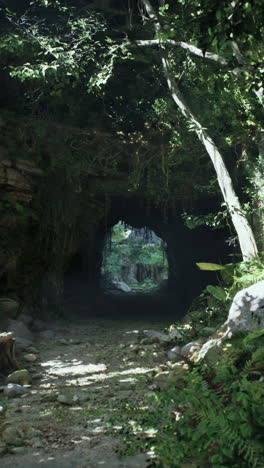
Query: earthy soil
[[88, 370]]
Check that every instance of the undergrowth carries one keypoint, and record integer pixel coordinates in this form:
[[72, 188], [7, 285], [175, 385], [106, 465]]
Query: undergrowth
[[212, 417], [210, 308]]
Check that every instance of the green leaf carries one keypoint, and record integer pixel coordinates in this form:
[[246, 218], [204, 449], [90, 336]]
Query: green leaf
[[217, 292], [210, 266]]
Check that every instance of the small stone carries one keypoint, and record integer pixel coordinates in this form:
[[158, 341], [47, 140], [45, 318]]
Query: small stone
[[17, 450], [154, 388], [37, 376], [175, 335], [161, 337], [30, 357], [23, 335], [21, 377], [62, 341], [2, 410], [174, 353], [74, 342], [14, 390], [64, 399], [190, 348], [82, 397]]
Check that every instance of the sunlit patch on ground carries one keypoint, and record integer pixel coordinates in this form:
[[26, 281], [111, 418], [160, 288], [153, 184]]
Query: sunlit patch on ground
[[75, 367]]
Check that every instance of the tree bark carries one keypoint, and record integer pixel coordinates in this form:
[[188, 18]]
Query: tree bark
[[244, 232], [7, 353]]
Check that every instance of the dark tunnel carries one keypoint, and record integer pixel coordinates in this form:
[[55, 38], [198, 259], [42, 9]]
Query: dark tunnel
[[185, 247]]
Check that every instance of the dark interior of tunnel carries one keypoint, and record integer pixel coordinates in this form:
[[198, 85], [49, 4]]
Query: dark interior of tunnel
[[185, 247]]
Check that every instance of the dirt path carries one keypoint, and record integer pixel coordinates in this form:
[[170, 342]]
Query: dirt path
[[88, 371]]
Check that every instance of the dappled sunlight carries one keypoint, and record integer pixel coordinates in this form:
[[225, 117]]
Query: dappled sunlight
[[132, 332], [72, 367], [91, 378]]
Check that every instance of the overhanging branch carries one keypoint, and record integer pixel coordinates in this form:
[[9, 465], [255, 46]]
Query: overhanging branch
[[184, 45]]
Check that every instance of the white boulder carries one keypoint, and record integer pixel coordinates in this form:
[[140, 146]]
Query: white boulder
[[246, 313]]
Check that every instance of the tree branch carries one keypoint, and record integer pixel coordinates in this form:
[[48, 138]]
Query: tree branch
[[184, 45], [244, 232]]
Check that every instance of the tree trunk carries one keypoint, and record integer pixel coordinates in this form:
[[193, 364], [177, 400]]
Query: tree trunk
[[244, 232], [7, 353], [258, 178]]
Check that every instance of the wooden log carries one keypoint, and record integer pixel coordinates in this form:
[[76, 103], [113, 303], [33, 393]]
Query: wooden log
[[8, 361]]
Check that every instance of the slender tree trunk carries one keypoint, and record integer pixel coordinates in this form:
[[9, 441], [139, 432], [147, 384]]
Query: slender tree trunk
[[244, 232]]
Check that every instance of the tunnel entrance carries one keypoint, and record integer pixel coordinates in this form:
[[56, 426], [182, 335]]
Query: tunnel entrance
[[134, 260], [97, 262]]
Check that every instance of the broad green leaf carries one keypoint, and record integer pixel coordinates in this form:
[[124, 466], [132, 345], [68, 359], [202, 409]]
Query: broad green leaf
[[217, 292], [210, 266]]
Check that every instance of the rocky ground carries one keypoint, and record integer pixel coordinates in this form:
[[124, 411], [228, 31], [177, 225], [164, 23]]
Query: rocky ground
[[80, 376]]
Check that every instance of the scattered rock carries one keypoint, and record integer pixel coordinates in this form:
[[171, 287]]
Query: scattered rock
[[159, 336], [30, 357], [37, 376], [155, 336], [188, 350], [168, 378], [175, 334], [174, 353], [65, 400], [122, 286], [13, 390], [62, 341], [246, 313], [74, 341], [21, 377], [247, 309], [154, 388], [23, 336], [18, 450]]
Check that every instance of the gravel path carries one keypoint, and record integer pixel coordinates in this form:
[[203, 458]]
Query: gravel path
[[84, 373]]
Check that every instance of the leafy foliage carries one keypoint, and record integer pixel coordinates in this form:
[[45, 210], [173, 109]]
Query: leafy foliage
[[212, 417]]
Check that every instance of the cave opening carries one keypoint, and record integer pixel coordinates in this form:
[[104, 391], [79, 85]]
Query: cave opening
[[134, 260], [86, 282]]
